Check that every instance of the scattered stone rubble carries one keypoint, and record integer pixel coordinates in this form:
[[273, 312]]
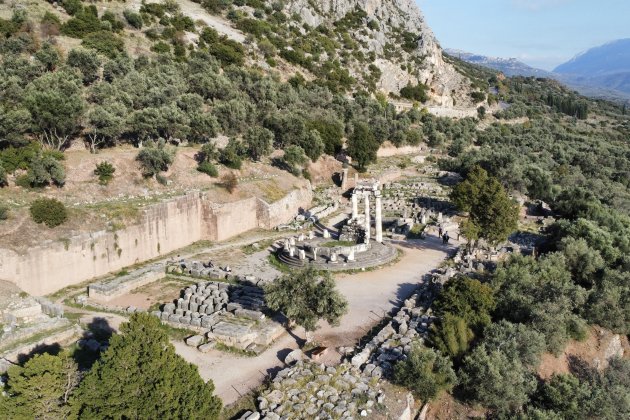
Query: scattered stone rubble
[[314, 391], [393, 342], [207, 270]]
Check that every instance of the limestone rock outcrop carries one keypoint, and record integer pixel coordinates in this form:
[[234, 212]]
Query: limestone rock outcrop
[[388, 20]]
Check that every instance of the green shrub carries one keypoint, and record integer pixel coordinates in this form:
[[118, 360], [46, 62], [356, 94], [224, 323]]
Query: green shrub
[[116, 25], [3, 176], [72, 7], [105, 172], [155, 159], [478, 96], [49, 211], [415, 93], [13, 158], [230, 155], [208, 169], [85, 21], [45, 169], [425, 372], [23, 181], [104, 42], [161, 48], [51, 19], [133, 19], [4, 212]]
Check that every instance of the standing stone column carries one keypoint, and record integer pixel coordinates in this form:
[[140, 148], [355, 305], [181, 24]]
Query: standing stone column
[[344, 179], [355, 206], [378, 220], [367, 218]]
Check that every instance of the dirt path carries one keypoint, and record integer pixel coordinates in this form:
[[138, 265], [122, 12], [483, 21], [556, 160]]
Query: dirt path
[[196, 12], [369, 295]]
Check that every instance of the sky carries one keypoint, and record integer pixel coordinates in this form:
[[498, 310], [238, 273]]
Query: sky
[[541, 33]]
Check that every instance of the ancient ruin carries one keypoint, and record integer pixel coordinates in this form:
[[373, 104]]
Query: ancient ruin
[[349, 248]]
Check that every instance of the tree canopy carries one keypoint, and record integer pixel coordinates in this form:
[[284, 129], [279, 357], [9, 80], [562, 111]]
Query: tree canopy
[[492, 214], [305, 297], [141, 376]]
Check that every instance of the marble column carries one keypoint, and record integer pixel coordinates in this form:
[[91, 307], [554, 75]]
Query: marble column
[[378, 219], [368, 226], [355, 206]]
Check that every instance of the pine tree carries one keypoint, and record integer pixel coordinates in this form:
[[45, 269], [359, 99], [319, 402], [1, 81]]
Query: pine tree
[[492, 214], [41, 388], [141, 376]]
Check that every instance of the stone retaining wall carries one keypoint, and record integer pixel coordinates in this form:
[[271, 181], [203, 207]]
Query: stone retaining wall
[[163, 227]]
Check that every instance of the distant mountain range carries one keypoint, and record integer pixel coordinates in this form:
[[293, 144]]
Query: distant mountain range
[[606, 66], [601, 72], [508, 66]]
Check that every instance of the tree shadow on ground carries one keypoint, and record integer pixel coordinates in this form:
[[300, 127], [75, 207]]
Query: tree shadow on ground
[[53, 349], [95, 339]]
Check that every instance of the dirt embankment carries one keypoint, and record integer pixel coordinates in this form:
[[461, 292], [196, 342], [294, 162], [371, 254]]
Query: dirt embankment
[[599, 346]]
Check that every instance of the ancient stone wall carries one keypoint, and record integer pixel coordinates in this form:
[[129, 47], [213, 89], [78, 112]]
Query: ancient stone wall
[[163, 228]]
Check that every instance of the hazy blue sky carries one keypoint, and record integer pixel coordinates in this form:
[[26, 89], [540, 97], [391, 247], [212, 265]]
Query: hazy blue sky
[[542, 33]]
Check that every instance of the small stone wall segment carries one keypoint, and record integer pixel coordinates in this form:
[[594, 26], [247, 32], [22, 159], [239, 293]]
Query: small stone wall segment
[[110, 289], [393, 342]]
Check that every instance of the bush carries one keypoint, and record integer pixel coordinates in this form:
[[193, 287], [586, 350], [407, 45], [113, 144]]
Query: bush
[[13, 158], [468, 299], [105, 172], [3, 177], [134, 19], [230, 155], [4, 212], [49, 211], [85, 21], [45, 169], [415, 93], [478, 96], [104, 42], [425, 372], [72, 7], [230, 182], [208, 169], [154, 159]]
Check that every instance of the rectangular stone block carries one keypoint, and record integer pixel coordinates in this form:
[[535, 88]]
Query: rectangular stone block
[[205, 348], [195, 340], [231, 307], [247, 313]]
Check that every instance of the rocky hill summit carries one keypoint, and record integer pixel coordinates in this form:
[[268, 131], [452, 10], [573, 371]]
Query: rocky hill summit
[[395, 34]]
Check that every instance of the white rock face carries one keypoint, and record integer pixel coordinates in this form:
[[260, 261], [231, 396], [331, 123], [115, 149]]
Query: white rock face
[[392, 15]]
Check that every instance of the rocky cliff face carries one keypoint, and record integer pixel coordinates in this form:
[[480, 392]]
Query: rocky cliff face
[[395, 31]]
